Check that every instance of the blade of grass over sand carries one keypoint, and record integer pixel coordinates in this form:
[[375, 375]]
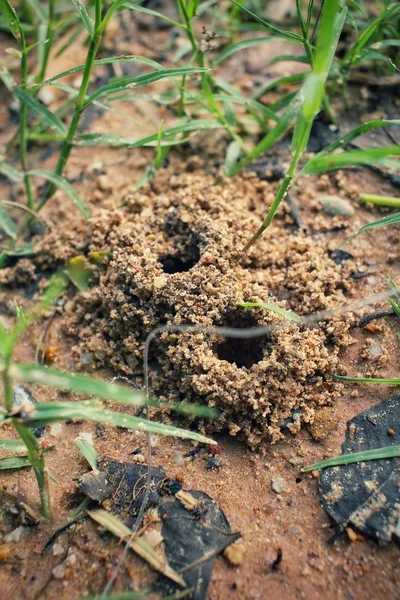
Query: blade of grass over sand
[[7, 224], [84, 384], [15, 462], [12, 446], [280, 32], [346, 459], [292, 316], [372, 156], [133, 82], [41, 111], [312, 93], [380, 200], [384, 222], [244, 44], [14, 25], [98, 139], [92, 410], [10, 172], [138, 545], [100, 62], [384, 381], [356, 132], [87, 449], [66, 187], [273, 136]]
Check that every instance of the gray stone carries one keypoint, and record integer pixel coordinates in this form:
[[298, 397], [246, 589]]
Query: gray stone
[[277, 485], [333, 205]]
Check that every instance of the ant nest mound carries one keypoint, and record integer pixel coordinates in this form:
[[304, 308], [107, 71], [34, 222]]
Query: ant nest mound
[[176, 259]]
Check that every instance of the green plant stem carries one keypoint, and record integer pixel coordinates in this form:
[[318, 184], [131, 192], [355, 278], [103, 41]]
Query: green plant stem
[[50, 39], [23, 125], [79, 104], [36, 457], [205, 77], [283, 190], [304, 30], [381, 200]]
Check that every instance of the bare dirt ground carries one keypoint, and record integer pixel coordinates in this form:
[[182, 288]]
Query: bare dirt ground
[[291, 262]]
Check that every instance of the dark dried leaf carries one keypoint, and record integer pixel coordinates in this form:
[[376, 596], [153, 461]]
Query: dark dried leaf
[[366, 495]]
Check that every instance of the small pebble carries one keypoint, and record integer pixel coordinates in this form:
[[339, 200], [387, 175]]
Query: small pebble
[[58, 549], [277, 485], [59, 571], [104, 183], [333, 205], [15, 535], [56, 429], [235, 554]]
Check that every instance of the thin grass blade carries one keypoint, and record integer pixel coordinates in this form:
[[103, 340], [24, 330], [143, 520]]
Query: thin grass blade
[[138, 545], [7, 224], [99, 62], [11, 19], [125, 83], [98, 139], [40, 110], [372, 156], [244, 44], [10, 172], [346, 459], [84, 16], [88, 450], [65, 187], [289, 314], [384, 222], [281, 32], [12, 446]]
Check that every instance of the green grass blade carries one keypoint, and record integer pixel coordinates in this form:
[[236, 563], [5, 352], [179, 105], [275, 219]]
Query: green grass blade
[[92, 410], [137, 544], [232, 156], [346, 459], [281, 32], [11, 173], [273, 136], [383, 381], [99, 62], [372, 156], [233, 95], [77, 383], [87, 449], [289, 314], [125, 83], [384, 222], [65, 187], [85, 384], [355, 51], [289, 58], [7, 224], [380, 200], [41, 111], [153, 13], [357, 131], [243, 45], [98, 139], [295, 78], [84, 16], [11, 19], [12, 446], [14, 462]]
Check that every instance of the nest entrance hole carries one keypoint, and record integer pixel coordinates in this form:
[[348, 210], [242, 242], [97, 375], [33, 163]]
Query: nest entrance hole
[[242, 352]]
